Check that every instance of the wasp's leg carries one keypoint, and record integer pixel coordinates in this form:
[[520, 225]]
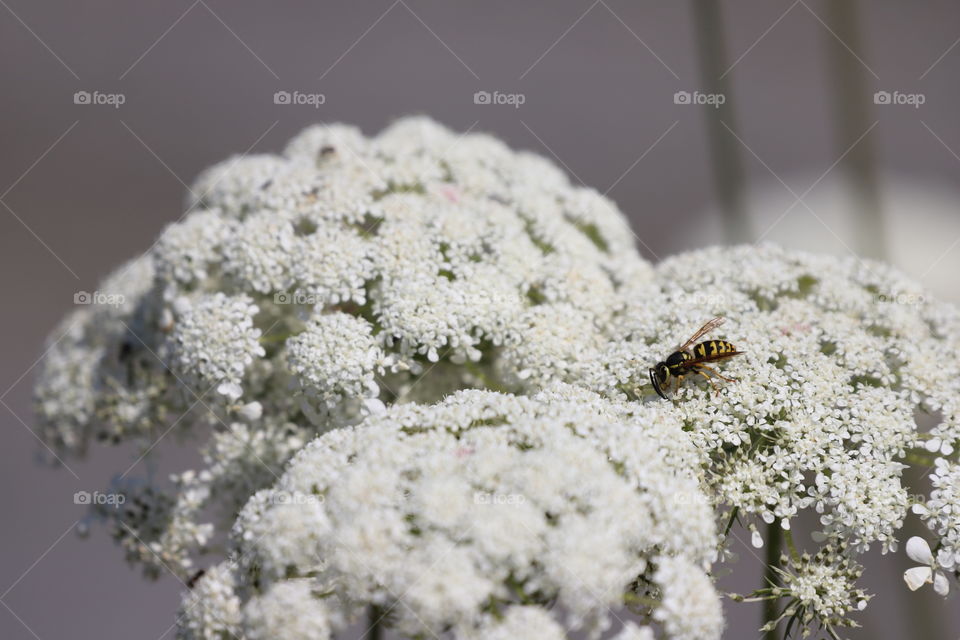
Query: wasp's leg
[[715, 372], [679, 380], [709, 379]]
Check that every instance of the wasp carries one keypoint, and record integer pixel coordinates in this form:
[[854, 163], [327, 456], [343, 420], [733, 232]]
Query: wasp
[[686, 360]]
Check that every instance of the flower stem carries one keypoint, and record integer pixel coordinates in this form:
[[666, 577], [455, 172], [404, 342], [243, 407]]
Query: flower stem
[[375, 619], [794, 554], [774, 544]]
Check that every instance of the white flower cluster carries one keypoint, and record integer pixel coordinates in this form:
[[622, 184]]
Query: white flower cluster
[[829, 381], [942, 515], [841, 359], [451, 516], [214, 341], [334, 358], [820, 591], [301, 292]]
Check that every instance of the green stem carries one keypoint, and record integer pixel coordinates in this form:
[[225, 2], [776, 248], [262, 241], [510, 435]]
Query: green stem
[[733, 518], [375, 620], [774, 544], [794, 554]]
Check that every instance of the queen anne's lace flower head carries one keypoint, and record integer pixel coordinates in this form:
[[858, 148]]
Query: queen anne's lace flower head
[[304, 291], [838, 358], [455, 514]]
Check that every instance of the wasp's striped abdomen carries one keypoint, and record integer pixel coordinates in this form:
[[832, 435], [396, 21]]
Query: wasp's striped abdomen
[[712, 347]]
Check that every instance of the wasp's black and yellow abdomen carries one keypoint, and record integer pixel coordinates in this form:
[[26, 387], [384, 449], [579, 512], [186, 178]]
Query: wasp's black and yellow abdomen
[[710, 348]]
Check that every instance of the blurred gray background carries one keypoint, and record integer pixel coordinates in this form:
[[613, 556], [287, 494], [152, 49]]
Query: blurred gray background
[[799, 153]]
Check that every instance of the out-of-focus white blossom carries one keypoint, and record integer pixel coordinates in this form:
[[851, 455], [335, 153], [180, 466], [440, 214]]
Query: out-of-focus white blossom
[[456, 512], [211, 610], [688, 610], [290, 610]]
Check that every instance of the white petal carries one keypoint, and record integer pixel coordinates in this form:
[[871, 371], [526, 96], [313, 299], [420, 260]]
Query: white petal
[[917, 577], [919, 551], [933, 445], [756, 540], [375, 406], [230, 389], [251, 411], [940, 584], [946, 559]]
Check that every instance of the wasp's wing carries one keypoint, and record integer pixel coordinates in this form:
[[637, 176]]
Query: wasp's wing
[[702, 331], [692, 362]]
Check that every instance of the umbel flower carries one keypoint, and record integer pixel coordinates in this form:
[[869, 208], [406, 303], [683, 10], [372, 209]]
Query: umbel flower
[[451, 515], [424, 356], [303, 292]]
